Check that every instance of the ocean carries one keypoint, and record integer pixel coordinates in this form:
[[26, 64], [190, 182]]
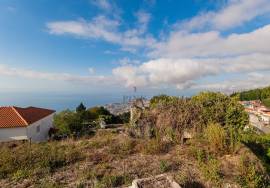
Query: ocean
[[56, 101]]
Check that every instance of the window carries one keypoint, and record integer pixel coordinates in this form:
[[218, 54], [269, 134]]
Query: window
[[38, 128]]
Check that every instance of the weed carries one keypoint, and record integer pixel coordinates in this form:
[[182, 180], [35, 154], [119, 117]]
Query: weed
[[125, 148], [164, 166], [250, 175], [112, 181], [20, 174], [155, 146], [211, 171], [216, 136], [21, 162]]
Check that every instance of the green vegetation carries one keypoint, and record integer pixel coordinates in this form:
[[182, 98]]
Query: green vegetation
[[164, 166], [250, 175], [68, 122], [216, 137], [266, 102], [170, 117], [27, 160], [200, 141], [155, 146], [260, 145], [262, 94], [161, 99], [78, 122], [214, 119], [212, 171]]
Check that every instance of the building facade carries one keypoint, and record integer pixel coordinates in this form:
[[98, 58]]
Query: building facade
[[25, 123]]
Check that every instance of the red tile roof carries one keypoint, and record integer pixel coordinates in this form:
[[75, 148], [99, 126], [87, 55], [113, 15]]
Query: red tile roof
[[21, 117]]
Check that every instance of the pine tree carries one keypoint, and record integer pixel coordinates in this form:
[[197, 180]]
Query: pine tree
[[80, 108]]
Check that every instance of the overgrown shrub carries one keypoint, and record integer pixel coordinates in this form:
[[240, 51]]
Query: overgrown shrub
[[251, 175], [37, 159], [216, 137], [124, 148], [154, 146], [211, 170], [161, 100], [67, 122], [170, 117], [259, 145]]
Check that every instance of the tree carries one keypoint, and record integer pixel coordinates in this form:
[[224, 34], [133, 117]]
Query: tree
[[94, 112], [161, 99], [214, 106], [80, 108], [67, 122], [219, 108], [236, 115]]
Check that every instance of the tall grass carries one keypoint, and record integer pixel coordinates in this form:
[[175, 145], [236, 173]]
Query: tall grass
[[36, 159], [216, 136]]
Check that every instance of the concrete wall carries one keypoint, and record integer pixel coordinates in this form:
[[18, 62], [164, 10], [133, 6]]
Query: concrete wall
[[10, 134], [39, 130]]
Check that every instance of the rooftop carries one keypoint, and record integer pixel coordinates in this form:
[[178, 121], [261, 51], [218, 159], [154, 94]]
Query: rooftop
[[12, 116]]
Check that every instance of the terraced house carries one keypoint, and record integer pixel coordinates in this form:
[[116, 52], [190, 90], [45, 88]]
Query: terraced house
[[29, 123]]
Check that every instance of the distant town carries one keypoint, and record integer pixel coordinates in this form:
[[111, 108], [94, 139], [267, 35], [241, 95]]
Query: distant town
[[259, 115]]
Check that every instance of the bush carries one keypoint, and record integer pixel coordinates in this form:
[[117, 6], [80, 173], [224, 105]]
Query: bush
[[219, 108], [214, 106], [94, 112], [161, 100], [155, 146], [266, 102], [170, 117], [216, 137], [125, 148], [251, 175], [68, 122], [211, 171], [259, 145]]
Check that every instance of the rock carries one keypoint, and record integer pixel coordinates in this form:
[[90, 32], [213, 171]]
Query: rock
[[102, 124], [160, 181]]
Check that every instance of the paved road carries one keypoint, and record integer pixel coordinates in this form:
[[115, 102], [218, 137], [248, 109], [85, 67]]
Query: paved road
[[258, 124]]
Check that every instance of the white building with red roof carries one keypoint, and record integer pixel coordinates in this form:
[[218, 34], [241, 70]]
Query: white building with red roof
[[29, 123]]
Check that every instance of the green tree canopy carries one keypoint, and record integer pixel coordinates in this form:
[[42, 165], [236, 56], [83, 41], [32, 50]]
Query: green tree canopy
[[161, 99], [80, 108], [67, 122]]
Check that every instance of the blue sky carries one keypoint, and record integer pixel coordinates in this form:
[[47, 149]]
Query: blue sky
[[97, 50]]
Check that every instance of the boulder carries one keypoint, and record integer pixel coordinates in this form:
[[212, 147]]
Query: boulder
[[160, 181]]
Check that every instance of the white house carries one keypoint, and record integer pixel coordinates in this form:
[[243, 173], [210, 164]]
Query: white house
[[25, 123]]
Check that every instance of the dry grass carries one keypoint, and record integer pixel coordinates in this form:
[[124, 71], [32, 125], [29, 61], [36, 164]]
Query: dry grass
[[110, 159]]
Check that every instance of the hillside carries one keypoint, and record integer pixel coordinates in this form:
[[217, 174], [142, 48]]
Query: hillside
[[203, 141], [113, 159]]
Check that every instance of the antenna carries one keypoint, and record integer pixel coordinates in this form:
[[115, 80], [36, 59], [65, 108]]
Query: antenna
[[135, 89]]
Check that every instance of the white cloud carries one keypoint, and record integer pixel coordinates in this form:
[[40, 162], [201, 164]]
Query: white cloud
[[182, 57], [102, 4], [250, 81], [233, 14], [91, 70], [99, 28], [183, 73], [143, 20], [102, 28], [128, 61], [182, 44], [32, 74]]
